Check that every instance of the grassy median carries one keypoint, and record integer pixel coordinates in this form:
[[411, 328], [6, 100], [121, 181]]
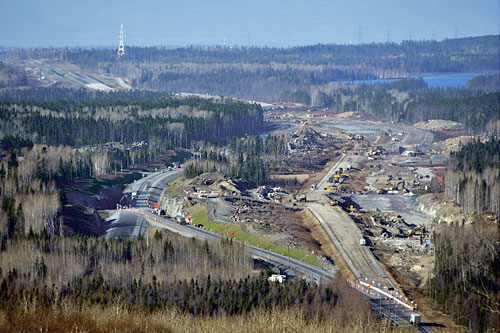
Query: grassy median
[[172, 188]]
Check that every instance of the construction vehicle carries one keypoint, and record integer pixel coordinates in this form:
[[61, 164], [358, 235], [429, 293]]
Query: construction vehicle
[[387, 182], [413, 231], [333, 203], [380, 191], [415, 319], [359, 137], [350, 137], [345, 175]]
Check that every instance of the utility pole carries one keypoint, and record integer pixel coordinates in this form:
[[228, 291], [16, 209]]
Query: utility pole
[[288, 248], [360, 34], [121, 47]]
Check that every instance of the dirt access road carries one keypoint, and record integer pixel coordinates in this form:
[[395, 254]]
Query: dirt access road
[[343, 232]]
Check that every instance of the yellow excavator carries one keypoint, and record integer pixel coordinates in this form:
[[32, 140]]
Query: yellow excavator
[[414, 230]]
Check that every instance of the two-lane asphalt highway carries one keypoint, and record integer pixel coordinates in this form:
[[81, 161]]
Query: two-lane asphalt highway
[[150, 188], [126, 223]]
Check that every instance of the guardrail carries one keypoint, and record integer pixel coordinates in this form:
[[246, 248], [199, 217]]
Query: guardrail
[[372, 290], [369, 289]]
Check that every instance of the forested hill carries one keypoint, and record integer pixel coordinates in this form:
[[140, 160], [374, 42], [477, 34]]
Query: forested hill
[[266, 73], [450, 55], [58, 116]]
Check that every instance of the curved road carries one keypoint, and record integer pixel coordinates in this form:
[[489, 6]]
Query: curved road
[[150, 188]]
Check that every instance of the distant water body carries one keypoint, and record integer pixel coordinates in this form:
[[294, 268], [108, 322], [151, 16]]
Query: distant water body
[[433, 80]]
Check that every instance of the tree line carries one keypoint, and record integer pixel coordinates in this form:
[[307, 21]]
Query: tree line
[[450, 55], [410, 100], [159, 273], [473, 180], [267, 73], [466, 281], [141, 124], [248, 158]]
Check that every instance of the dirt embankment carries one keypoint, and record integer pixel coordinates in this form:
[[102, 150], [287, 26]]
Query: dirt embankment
[[106, 199], [441, 211], [80, 210]]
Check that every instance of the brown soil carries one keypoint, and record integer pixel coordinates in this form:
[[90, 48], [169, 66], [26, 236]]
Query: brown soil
[[282, 225], [326, 247]]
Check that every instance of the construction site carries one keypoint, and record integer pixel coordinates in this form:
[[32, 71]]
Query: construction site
[[367, 174]]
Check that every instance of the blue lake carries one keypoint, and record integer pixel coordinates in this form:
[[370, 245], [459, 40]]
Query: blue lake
[[433, 80]]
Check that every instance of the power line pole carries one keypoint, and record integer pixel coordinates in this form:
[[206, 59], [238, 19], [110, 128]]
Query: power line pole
[[360, 34]]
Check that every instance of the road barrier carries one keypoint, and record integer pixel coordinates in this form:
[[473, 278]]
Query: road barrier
[[372, 290]]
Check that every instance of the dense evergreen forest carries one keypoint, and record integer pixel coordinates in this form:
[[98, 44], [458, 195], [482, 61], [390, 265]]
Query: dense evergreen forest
[[247, 158], [149, 121]]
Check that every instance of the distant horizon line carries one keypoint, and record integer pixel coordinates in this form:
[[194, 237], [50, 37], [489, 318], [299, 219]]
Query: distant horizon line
[[231, 46]]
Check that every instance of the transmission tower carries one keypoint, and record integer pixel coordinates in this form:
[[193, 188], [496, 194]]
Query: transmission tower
[[121, 47]]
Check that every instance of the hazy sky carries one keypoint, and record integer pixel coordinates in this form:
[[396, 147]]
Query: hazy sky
[[252, 22]]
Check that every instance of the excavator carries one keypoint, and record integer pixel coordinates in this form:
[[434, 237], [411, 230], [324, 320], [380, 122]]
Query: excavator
[[418, 229]]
